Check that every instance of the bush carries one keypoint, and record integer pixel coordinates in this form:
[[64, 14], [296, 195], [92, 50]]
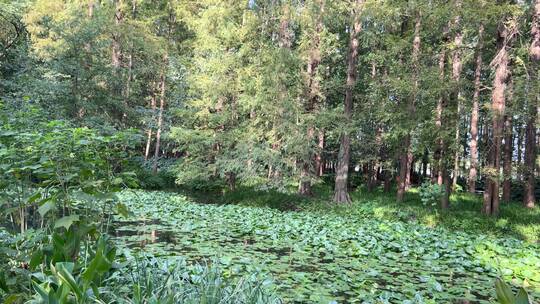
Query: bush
[[431, 194]]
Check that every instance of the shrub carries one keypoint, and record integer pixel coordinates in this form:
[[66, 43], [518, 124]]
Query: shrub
[[431, 194]]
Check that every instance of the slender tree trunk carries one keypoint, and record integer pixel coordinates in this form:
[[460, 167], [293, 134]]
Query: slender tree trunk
[[500, 62], [91, 6], [403, 168], [529, 199], [441, 104], [443, 119], [508, 147], [116, 52], [473, 171], [456, 77], [159, 120], [341, 194], [520, 133], [319, 161], [231, 181], [314, 90], [425, 160], [406, 159], [149, 132]]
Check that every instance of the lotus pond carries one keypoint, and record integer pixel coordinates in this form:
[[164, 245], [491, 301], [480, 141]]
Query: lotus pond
[[322, 257]]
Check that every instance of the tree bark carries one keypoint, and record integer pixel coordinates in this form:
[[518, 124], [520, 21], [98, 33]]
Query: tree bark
[[457, 67], [159, 121], [529, 199], [314, 90], [406, 159], [473, 170], [116, 52], [508, 147], [441, 104], [505, 33], [341, 194], [520, 135], [319, 161], [149, 132]]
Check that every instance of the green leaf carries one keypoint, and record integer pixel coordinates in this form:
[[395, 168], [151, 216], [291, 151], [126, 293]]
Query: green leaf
[[46, 207], [34, 197], [37, 258], [66, 221], [3, 284], [522, 297], [42, 292], [122, 209], [504, 293], [64, 274]]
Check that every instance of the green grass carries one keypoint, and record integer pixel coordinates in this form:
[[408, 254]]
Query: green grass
[[314, 252]]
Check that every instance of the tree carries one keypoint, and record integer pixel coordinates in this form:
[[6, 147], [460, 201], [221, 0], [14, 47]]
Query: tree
[[341, 194], [531, 128], [505, 34], [473, 144]]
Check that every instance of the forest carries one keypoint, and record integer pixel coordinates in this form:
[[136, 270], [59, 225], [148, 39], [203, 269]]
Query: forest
[[269, 151]]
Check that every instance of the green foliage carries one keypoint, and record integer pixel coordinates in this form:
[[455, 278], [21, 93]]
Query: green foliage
[[74, 282], [172, 280], [506, 296], [51, 165], [431, 194], [325, 255]]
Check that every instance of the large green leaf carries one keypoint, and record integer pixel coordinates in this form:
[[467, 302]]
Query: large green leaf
[[66, 221], [46, 207], [522, 297], [63, 271]]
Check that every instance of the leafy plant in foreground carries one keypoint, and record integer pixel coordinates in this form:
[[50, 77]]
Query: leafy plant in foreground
[[169, 281], [74, 282], [506, 296]]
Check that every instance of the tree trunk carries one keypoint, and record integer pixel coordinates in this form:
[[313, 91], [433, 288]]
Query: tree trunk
[[529, 199], [403, 169], [231, 181], [116, 52], [149, 132], [456, 76], [91, 6], [500, 62], [520, 134], [441, 104], [425, 160], [319, 161], [406, 158], [341, 194], [159, 121], [313, 92], [473, 171], [508, 147]]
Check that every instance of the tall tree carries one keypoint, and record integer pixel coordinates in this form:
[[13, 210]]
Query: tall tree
[[406, 158], [341, 194], [531, 128], [505, 33], [313, 88], [473, 144], [457, 66]]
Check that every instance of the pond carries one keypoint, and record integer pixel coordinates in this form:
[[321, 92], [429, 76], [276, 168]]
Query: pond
[[316, 257]]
